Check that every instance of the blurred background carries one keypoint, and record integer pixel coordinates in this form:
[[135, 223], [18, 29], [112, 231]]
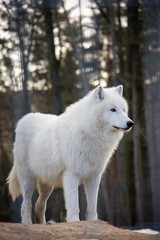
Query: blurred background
[[52, 52]]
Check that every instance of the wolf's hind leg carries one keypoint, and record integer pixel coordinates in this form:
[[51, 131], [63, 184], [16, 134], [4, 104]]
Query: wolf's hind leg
[[27, 186], [40, 208]]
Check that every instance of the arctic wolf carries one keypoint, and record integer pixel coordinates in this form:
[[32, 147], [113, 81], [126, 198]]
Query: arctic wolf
[[71, 149]]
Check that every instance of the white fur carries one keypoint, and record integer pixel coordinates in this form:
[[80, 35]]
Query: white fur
[[67, 150]]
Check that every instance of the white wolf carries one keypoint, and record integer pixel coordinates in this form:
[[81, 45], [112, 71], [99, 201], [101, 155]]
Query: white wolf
[[67, 150]]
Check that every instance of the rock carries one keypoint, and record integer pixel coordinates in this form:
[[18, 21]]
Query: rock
[[84, 230]]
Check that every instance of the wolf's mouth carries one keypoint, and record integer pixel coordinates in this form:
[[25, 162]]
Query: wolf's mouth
[[129, 126], [121, 129]]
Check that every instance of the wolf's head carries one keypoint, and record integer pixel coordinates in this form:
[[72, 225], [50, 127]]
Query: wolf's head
[[114, 108]]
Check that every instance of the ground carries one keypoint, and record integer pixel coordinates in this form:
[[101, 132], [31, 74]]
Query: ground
[[85, 230]]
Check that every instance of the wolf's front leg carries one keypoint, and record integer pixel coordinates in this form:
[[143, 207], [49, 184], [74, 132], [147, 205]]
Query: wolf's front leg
[[70, 185], [91, 188]]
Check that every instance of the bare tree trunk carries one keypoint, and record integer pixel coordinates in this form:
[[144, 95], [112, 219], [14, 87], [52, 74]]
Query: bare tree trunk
[[125, 201], [152, 98], [120, 45], [112, 34], [54, 64], [84, 81], [134, 68], [109, 17], [104, 206], [24, 62], [136, 150]]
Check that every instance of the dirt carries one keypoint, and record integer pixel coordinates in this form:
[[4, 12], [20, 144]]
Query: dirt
[[84, 230]]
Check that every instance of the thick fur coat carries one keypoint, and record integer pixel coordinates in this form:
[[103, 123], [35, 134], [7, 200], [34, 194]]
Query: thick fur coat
[[68, 150]]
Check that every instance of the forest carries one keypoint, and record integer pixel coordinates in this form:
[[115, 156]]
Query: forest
[[53, 52]]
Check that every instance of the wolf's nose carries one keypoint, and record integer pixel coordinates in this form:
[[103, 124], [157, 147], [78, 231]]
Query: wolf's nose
[[130, 124]]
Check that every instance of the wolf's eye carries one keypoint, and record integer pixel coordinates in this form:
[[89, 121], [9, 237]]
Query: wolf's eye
[[113, 109]]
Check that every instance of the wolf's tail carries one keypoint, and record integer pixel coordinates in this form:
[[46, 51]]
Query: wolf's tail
[[13, 183]]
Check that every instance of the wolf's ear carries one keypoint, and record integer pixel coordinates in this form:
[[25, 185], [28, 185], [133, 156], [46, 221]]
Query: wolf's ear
[[99, 93], [119, 89]]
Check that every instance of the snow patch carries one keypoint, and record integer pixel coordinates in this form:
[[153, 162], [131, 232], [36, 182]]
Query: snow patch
[[147, 231]]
